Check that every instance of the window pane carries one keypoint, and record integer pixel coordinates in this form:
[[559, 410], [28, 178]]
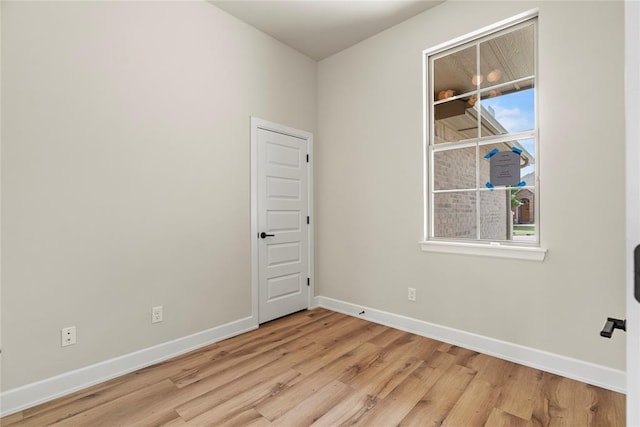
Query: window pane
[[508, 214], [524, 221], [508, 110], [527, 160], [455, 215], [494, 215], [456, 120], [454, 169], [507, 57], [453, 74], [528, 156]]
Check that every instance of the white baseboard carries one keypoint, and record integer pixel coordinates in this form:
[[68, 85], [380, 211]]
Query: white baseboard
[[590, 373], [29, 395]]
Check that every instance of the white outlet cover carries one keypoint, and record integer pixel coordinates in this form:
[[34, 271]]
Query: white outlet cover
[[68, 336], [156, 314]]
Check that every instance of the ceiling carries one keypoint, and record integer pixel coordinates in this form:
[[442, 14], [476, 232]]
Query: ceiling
[[320, 28]]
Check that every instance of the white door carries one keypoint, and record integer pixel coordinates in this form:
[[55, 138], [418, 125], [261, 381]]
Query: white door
[[282, 235], [632, 90]]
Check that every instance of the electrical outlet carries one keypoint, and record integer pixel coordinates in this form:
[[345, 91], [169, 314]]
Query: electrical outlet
[[156, 314], [68, 336], [411, 295]]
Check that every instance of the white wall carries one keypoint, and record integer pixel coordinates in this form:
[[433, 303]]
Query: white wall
[[125, 173], [369, 184]]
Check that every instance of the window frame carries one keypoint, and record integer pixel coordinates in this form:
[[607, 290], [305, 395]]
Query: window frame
[[503, 249]]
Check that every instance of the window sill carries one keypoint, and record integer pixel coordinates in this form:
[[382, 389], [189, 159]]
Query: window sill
[[495, 250]]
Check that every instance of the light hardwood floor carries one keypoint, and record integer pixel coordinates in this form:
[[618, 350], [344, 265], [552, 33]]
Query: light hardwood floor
[[326, 369]]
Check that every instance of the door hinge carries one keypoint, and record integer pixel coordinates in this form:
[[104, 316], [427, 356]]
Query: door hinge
[[308, 281], [307, 158], [307, 219]]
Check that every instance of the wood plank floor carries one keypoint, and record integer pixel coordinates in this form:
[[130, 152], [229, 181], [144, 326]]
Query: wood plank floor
[[323, 368]]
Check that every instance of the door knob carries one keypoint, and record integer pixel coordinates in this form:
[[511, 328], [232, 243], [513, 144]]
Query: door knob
[[265, 235], [610, 325]]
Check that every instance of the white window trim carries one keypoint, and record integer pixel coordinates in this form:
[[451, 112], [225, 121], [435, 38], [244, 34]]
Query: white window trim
[[488, 249], [525, 16]]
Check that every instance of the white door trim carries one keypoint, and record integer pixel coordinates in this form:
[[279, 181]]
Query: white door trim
[[257, 123], [632, 90]]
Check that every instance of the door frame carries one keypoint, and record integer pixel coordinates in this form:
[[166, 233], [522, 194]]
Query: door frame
[[258, 123], [632, 111]]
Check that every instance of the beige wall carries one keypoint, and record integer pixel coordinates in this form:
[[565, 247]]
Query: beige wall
[[369, 184], [125, 173]]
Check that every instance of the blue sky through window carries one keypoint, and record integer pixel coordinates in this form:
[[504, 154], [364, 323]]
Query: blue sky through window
[[515, 112]]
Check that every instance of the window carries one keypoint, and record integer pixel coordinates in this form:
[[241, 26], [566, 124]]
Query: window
[[482, 139]]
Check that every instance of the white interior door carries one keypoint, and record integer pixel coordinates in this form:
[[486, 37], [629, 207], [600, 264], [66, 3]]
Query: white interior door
[[282, 236], [632, 90]]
